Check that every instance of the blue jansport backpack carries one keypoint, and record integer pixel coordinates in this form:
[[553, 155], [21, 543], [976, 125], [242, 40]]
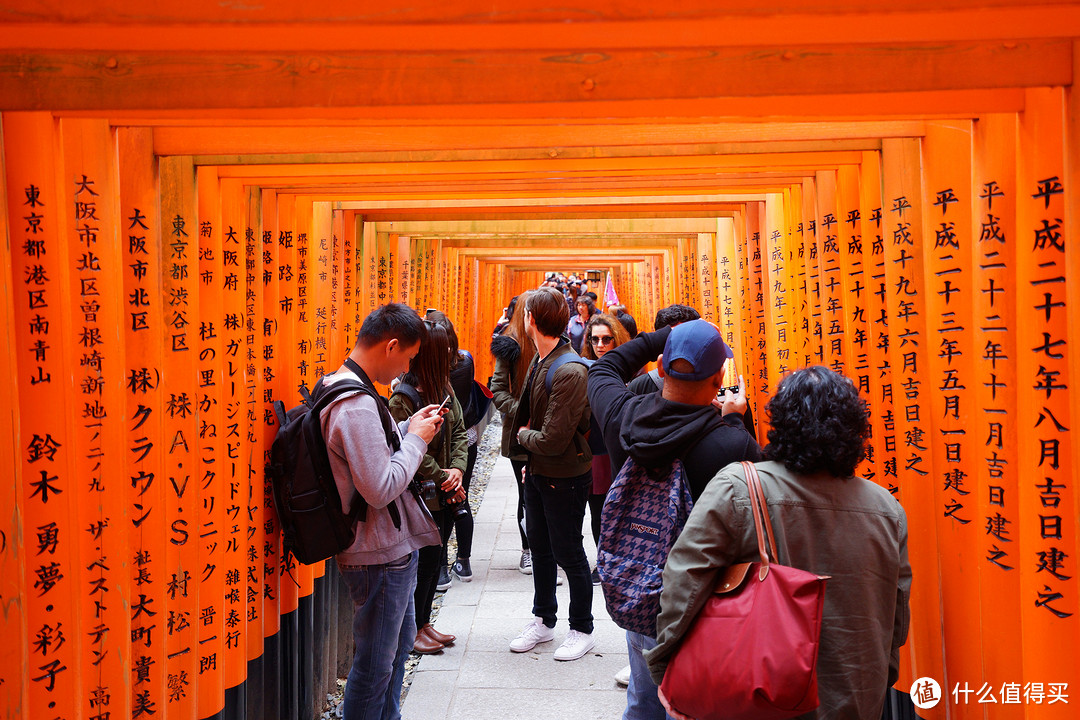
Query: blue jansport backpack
[[642, 517]]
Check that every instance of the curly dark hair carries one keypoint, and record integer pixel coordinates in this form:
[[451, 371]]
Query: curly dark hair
[[673, 315], [819, 423]]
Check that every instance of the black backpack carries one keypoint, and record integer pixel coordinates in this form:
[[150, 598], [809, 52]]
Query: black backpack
[[314, 526]]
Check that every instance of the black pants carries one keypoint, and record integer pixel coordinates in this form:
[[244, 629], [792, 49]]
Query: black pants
[[596, 507], [427, 570], [519, 466], [464, 522], [554, 513]]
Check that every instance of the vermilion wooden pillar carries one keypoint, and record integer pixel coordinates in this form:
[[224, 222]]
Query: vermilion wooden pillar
[[905, 301]]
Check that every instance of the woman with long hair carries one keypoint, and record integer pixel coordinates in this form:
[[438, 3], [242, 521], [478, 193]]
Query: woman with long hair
[[462, 378], [513, 352], [441, 471], [603, 333]]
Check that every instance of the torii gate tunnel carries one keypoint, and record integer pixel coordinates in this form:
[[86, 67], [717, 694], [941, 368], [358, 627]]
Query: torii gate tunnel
[[202, 202]]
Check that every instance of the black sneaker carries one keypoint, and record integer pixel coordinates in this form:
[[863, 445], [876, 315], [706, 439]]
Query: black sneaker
[[462, 570], [596, 576], [525, 566], [444, 579]]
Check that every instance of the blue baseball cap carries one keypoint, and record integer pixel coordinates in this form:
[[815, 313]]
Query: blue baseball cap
[[698, 342]]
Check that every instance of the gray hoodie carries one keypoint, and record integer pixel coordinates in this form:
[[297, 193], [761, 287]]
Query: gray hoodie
[[362, 462]]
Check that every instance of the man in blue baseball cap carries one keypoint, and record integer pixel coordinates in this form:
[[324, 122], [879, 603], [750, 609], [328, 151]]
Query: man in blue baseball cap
[[682, 422]]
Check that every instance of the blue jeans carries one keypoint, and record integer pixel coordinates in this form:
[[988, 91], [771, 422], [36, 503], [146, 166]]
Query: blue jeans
[[384, 629], [554, 513], [642, 702]]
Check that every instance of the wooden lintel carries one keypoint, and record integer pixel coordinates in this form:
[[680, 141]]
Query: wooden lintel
[[240, 165], [501, 13], [547, 138], [413, 171], [543, 226], [659, 185], [777, 108], [74, 80], [209, 26]]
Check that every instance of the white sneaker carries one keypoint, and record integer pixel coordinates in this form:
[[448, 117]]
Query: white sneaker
[[575, 645], [535, 632], [622, 678]]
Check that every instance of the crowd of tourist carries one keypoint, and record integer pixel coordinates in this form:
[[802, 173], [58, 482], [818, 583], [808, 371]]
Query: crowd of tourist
[[582, 413]]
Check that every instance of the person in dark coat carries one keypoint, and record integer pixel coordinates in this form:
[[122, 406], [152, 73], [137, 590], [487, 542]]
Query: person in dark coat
[[679, 422], [513, 352]]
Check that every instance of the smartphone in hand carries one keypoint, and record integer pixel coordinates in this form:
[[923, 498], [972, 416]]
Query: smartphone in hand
[[445, 404], [730, 379]]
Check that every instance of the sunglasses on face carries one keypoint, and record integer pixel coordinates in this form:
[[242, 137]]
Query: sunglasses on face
[[601, 339]]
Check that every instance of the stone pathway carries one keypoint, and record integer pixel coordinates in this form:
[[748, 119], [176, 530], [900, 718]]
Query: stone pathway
[[479, 678]]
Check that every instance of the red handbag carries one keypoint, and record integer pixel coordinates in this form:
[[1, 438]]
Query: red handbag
[[751, 653]]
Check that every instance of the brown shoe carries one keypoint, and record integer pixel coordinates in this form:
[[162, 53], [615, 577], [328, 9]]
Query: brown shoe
[[425, 645], [441, 638]]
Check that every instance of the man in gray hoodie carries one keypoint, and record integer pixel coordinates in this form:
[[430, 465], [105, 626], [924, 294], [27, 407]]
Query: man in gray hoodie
[[380, 566]]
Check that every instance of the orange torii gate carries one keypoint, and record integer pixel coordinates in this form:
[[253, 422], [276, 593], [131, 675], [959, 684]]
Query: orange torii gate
[[188, 239]]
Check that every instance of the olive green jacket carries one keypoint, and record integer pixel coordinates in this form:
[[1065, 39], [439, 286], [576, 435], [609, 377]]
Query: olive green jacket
[[440, 455], [850, 529], [559, 448]]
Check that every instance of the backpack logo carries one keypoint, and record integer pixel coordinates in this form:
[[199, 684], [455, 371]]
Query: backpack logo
[[642, 517]]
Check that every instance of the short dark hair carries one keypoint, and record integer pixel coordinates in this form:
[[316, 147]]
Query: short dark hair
[[391, 321], [587, 302], [819, 423], [628, 322], [673, 315], [510, 307], [549, 311], [592, 295]]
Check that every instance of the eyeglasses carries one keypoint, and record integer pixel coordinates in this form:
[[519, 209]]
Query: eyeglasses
[[602, 340]]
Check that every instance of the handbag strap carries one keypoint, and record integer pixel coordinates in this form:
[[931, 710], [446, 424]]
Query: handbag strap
[[760, 510]]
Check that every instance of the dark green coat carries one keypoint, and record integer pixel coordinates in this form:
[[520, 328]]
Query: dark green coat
[[440, 455]]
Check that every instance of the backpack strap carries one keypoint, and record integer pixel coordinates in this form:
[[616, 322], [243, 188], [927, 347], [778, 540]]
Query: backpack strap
[[360, 505], [318, 401], [410, 392], [658, 381], [392, 439], [413, 395], [563, 359]]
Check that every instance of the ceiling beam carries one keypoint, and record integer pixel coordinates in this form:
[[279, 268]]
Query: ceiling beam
[[75, 80], [549, 138], [204, 25]]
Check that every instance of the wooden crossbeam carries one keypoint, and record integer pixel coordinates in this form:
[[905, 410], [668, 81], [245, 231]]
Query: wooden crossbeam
[[145, 26], [549, 137], [72, 80]]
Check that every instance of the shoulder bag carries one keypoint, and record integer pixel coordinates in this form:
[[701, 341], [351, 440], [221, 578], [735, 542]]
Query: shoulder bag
[[752, 650]]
